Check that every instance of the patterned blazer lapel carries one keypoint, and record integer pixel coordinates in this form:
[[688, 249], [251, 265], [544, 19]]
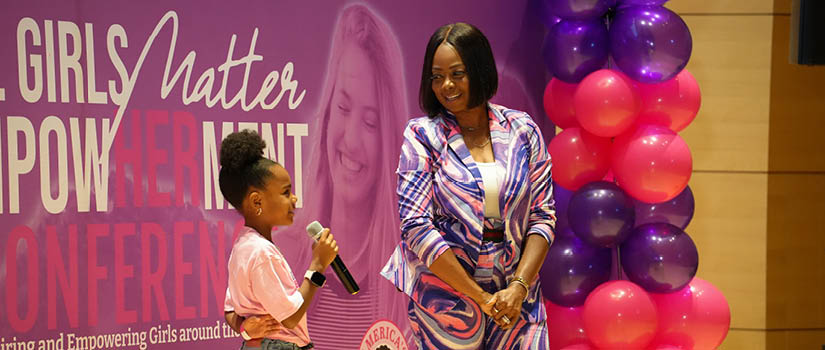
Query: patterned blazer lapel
[[459, 148], [501, 139]]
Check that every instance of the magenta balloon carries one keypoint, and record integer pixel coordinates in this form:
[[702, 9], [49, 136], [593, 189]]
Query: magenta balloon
[[607, 103], [579, 158], [578, 9], [558, 103], [673, 103], [575, 48], [651, 44], [619, 315], [661, 258], [578, 347], [694, 317], [651, 163], [565, 326]]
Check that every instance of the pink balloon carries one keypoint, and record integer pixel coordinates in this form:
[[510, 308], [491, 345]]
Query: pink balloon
[[619, 315], [564, 326], [578, 158], [558, 103], [695, 317], [578, 347], [606, 102], [651, 163], [673, 103], [609, 176]]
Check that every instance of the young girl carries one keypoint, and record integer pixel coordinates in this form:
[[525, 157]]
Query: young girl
[[260, 280]]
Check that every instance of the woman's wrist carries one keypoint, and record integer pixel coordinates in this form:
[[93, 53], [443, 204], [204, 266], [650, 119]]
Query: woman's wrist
[[482, 297], [521, 282]]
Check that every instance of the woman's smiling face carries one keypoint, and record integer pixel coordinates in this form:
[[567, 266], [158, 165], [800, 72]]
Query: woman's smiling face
[[450, 83], [353, 147]]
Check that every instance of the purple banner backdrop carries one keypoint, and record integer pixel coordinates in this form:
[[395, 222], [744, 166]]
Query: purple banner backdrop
[[114, 233]]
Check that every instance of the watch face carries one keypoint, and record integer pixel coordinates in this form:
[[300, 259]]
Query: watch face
[[318, 278]]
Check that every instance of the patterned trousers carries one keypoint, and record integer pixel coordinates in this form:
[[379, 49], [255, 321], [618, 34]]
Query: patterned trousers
[[442, 318]]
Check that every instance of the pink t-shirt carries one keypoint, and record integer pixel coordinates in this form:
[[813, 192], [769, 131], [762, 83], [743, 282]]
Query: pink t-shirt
[[261, 282]]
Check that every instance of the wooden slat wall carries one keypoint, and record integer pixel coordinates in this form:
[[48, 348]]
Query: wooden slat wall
[[796, 198], [733, 7], [759, 172], [731, 60]]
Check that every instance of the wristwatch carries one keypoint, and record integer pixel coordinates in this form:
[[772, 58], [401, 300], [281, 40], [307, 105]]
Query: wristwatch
[[317, 278]]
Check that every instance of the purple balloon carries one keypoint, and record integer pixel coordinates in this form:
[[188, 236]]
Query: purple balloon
[[677, 211], [626, 3], [575, 48], [661, 258], [547, 16], [572, 269], [650, 44], [601, 214], [561, 196], [578, 9]]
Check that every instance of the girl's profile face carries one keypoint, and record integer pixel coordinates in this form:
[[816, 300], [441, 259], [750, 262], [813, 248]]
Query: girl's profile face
[[277, 199], [353, 146]]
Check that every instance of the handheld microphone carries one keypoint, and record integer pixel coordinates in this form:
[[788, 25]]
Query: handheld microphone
[[314, 230]]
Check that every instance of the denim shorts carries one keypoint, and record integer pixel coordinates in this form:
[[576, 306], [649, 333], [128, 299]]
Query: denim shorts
[[276, 344]]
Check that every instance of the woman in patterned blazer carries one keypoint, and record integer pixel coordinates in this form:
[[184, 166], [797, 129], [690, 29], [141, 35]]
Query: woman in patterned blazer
[[476, 207]]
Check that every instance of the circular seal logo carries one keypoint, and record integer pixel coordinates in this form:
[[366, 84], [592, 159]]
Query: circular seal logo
[[383, 335]]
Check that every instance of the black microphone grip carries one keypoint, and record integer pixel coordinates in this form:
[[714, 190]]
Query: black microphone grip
[[344, 276]]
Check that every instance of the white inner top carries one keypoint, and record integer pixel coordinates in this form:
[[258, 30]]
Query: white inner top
[[492, 176]]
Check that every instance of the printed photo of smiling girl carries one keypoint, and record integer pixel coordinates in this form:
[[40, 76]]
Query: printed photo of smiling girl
[[350, 186], [476, 207]]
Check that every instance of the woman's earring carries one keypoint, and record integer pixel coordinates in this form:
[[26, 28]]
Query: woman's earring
[[260, 211]]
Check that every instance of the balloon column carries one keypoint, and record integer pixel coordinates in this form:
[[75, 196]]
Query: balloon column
[[620, 169]]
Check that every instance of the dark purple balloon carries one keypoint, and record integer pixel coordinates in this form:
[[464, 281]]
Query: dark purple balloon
[[677, 211], [626, 3], [650, 44], [661, 258], [547, 16], [572, 269], [561, 196], [575, 48], [578, 9], [601, 214]]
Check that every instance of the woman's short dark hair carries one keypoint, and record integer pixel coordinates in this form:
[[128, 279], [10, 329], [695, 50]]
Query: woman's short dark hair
[[475, 52], [243, 165]]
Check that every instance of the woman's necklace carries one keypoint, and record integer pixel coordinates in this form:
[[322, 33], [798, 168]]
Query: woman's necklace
[[472, 129], [483, 144]]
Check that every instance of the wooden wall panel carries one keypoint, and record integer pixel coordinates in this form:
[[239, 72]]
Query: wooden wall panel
[[796, 339], [796, 251], [797, 109], [729, 229], [731, 61], [721, 6], [744, 340]]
